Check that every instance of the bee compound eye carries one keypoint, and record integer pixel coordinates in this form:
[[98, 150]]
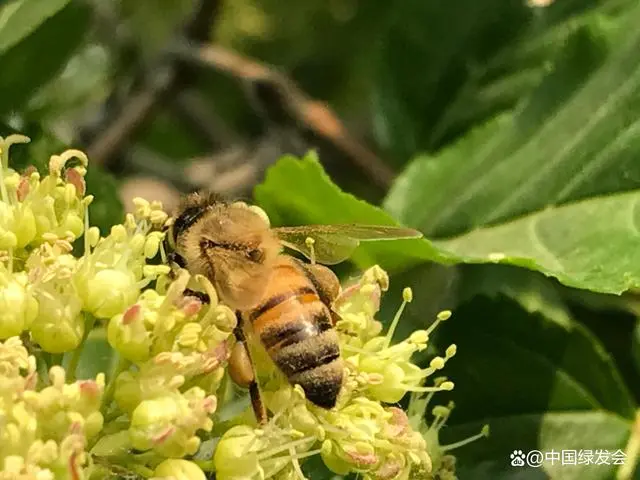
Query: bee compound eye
[[256, 255]]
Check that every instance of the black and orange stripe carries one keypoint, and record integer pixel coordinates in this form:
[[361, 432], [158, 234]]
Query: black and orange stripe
[[294, 326]]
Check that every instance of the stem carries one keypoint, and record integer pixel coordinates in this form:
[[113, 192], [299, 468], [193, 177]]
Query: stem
[[56, 359], [632, 452], [87, 246], [120, 367], [4, 165], [141, 470], [42, 366], [223, 392], [205, 465], [90, 321]]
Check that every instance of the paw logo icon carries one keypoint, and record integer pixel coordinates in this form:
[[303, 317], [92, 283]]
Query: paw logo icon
[[517, 458]]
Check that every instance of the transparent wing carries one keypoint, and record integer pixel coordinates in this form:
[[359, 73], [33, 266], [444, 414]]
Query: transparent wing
[[335, 243]]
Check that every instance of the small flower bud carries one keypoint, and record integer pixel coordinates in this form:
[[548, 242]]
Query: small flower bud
[[112, 445], [8, 240], [109, 292], [128, 394], [18, 308], [176, 469], [234, 457], [168, 424], [128, 335], [56, 328]]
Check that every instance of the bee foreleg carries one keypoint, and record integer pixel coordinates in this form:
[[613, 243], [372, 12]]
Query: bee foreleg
[[175, 262], [242, 372], [203, 297]]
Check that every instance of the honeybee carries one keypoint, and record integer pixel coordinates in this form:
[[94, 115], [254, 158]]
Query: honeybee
[[279, 299]]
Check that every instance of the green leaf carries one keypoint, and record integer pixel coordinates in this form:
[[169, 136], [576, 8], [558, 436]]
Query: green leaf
[[532, 291], [473, 60], [298, 192], [525, 161], [435, 42], [590, 244], [552, 363], [19, 19], [546, 432], [551, 186], [46, 34], [635, 346], [538, 378]]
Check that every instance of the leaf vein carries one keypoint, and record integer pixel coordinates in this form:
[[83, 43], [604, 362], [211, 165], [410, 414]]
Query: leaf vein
[[542, 247], [600, 161], [557, 161]]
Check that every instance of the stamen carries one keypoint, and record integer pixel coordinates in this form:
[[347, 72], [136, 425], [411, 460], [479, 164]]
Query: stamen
[[441, 414], [295, 443], [310, 453], [87, 242], [208, 288], [407, 296], [446, 386], [296, 464], [3, 187], [483, 433]]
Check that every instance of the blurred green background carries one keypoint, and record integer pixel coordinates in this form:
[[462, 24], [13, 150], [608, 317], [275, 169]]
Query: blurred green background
[[506, 131]]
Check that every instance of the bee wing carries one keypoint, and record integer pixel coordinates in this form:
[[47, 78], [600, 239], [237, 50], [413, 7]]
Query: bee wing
[[335, 243]]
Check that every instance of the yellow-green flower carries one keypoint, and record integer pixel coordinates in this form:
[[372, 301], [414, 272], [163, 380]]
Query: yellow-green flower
[[167, 389]]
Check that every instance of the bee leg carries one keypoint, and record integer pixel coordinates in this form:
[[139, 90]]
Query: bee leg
[[242, 372], [175, 259], [175, 262], [203, 297]]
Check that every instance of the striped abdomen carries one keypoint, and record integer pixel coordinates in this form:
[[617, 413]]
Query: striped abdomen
[[295, 328]]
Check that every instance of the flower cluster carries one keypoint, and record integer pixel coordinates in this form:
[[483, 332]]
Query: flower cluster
[[44, 434], [360, 435], [172, 348], [155, 412], [179, 349]]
